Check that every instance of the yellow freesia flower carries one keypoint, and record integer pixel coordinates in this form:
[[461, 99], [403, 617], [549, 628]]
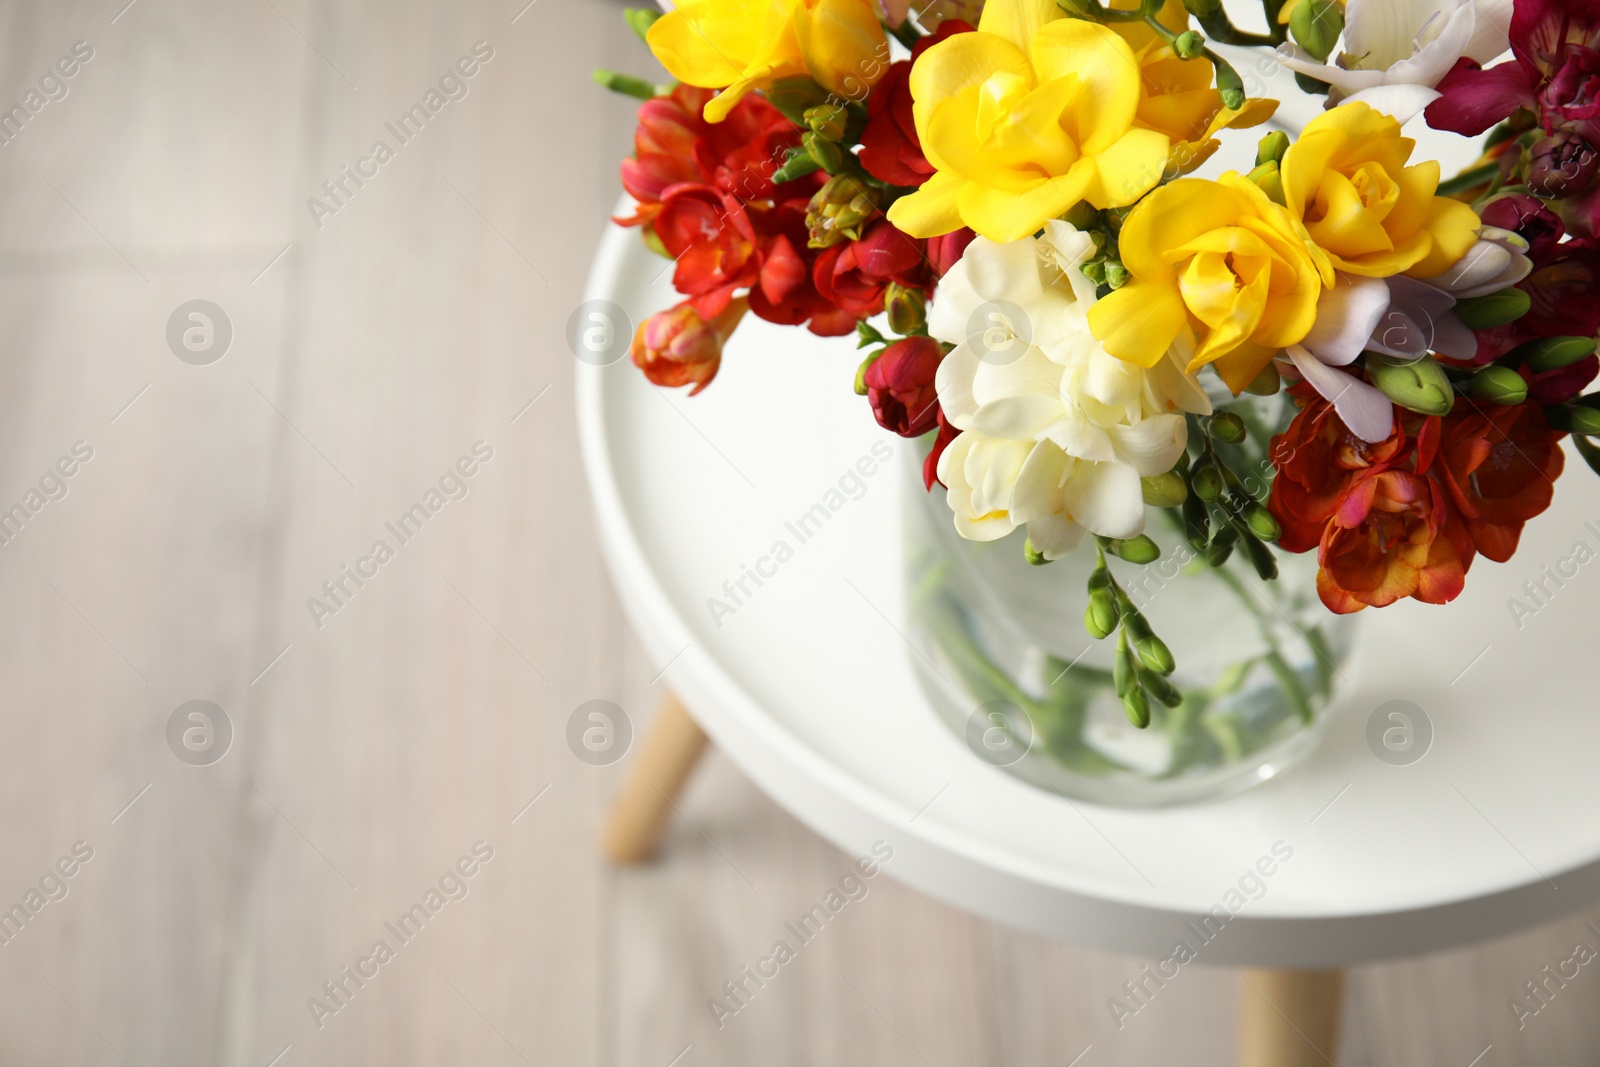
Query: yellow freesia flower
[[1022, 120], [1347, 184], [1217, 258], [737, 46]]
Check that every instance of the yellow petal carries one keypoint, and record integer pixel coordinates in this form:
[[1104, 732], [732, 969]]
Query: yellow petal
[[931, 211], [956, 63], [1017, 20], [1138, 322], [1128, 169], [1006, 215], [1241, 366], [1107, 73], [842, 44], [1172, 215], [1454, 229]]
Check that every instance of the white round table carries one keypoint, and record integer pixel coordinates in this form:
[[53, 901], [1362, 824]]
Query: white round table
[[806, 684]]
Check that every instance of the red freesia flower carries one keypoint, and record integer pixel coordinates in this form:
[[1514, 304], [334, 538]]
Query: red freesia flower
[[1500, 465], [890, 148], [1405, 517], [1394, 536], [900, 386], [930, 465], [852, 275], [679, 347], [674, 145], [945, 252], [1318, 459], [1555, 72]]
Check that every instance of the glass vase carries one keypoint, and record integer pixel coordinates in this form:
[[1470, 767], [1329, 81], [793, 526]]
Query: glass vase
[[1004, 657]]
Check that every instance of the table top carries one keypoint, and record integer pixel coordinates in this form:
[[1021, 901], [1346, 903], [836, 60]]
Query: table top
[[808, 687]]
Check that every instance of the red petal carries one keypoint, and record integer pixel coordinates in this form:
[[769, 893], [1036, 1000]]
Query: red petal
[[1476, 98]]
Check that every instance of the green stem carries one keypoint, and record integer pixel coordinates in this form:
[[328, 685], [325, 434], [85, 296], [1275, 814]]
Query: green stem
[[1469, 179], [1219, 28]]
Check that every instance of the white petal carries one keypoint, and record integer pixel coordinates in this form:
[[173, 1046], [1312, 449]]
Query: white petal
[[953, 382], [1031, 372], [1106, 499], [1154, 445], [1403, 102], [1172, 388], [1054, 535], [1007, 271], [1021, 417], [1038, 491], [1381, 33], [1346, 317], [1400, 335], [1347, 80], [1435, 58], [1368, 413], [953, 304], [1490, 30], [992, 468], [1077, 436]]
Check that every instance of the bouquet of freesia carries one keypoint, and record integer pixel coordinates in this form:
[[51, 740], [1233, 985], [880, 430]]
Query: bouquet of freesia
[[1015, 193]]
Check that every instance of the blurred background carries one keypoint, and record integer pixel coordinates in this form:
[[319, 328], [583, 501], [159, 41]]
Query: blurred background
[[227, 365]]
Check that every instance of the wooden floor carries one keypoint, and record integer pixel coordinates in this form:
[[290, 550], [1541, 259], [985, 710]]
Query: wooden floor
[[375, 746]]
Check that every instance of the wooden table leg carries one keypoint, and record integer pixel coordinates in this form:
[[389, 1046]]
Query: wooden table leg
[[644, 804], [1289, 1018]]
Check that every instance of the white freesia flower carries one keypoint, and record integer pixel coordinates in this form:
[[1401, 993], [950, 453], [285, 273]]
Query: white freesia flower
[[1396, 51], [1055, 432]]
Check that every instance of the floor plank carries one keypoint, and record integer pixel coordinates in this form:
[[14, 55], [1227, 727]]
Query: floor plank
[[374, 746]]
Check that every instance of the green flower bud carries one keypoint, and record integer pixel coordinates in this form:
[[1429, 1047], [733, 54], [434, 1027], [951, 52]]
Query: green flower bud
[[1268, 180], [1575, 418], [1189, 45], [626, 84], [1139, 549], [907, 309], [1229, 85], [1267, 383], [1419, 385], [827, 153], [839, 209], [1164, 490], [827, 121], [792, 96], [1221, 546], [861, 372], [1499, 385], [1095, 271], [1137, 708], [1116, 273], [1261, 558], [1312, 86], [1316, 26], [1100, 616], [1206, 481], [1162, 690], [1082, 215], [1261, 523], [1552, 353], [1272, 147], [1196, 524], [1154, 654], [640, 19], [798, 165], [1226, 426], [1496, 309], [1123, 672]]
